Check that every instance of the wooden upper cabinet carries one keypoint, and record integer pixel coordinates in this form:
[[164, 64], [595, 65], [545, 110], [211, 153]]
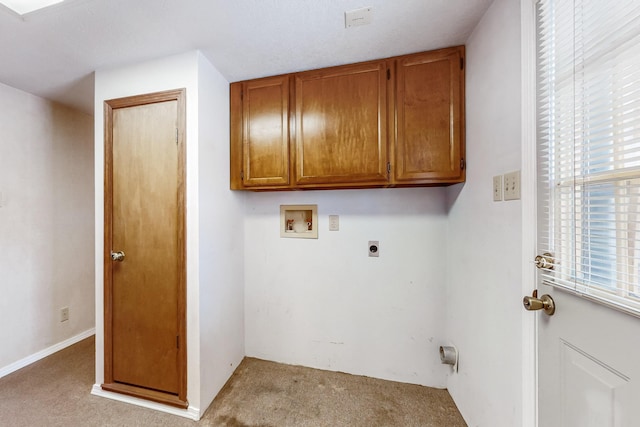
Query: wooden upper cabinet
[[429, 114], [397, 122], [341, 126], [260, 120]]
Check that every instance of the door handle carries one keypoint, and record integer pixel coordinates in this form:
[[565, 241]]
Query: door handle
[[117, 256], [545, 302]]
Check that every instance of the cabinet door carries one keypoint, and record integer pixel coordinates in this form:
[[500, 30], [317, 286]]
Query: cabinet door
[[429, 102], [341, 128], [260, 140]]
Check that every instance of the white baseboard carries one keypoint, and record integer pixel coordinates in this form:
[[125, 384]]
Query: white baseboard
[[46, 352], [191, 412]]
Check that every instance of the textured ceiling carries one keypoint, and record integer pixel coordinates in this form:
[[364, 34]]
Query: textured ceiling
[[53, 52]]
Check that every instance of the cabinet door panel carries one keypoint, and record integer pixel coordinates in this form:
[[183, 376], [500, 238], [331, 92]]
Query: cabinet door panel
[[341, 129], [265, 124], [430, 117]]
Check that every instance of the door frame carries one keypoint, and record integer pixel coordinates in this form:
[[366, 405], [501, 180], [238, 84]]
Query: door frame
[[178, 95], [529, 210]]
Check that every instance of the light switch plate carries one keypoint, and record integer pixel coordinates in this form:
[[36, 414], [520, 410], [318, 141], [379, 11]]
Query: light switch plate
[[497, 188], [512, 185], [334, 223], [64, 314]]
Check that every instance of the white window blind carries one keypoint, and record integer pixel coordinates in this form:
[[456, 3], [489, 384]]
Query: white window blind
[[589, 148]]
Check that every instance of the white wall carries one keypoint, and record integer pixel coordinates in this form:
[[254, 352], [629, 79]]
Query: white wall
[[46, 226], [325, 304], [221, 240], [484, 254]]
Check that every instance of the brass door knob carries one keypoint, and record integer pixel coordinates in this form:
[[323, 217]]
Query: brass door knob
[[545, 302], [117, 256]]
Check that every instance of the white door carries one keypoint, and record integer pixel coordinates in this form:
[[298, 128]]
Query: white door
[[588, 365], [588, 213]]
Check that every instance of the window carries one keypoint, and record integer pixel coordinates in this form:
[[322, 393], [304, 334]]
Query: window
[[589, 148]]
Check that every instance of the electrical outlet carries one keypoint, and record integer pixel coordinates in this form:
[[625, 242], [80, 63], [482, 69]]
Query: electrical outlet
[[512, 185], [374, 248], [64, 314], [497, 188]]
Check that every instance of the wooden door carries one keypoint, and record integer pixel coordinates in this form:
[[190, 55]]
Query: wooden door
[[429, 113], [341, 126], [260, 131], [145, 351]]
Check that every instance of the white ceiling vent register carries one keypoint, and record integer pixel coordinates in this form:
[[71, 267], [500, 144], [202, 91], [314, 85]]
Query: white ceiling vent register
[[23, 7], [353, 18]]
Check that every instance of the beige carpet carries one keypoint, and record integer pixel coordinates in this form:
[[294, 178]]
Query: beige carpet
[[55, 392]]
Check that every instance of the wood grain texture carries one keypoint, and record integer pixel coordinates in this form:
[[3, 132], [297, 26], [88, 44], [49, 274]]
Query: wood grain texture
[[235, 131], [348, 124], [145, 328], [265, 131], [429, 114], [145, 284], [341, 125], [142, 393]]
